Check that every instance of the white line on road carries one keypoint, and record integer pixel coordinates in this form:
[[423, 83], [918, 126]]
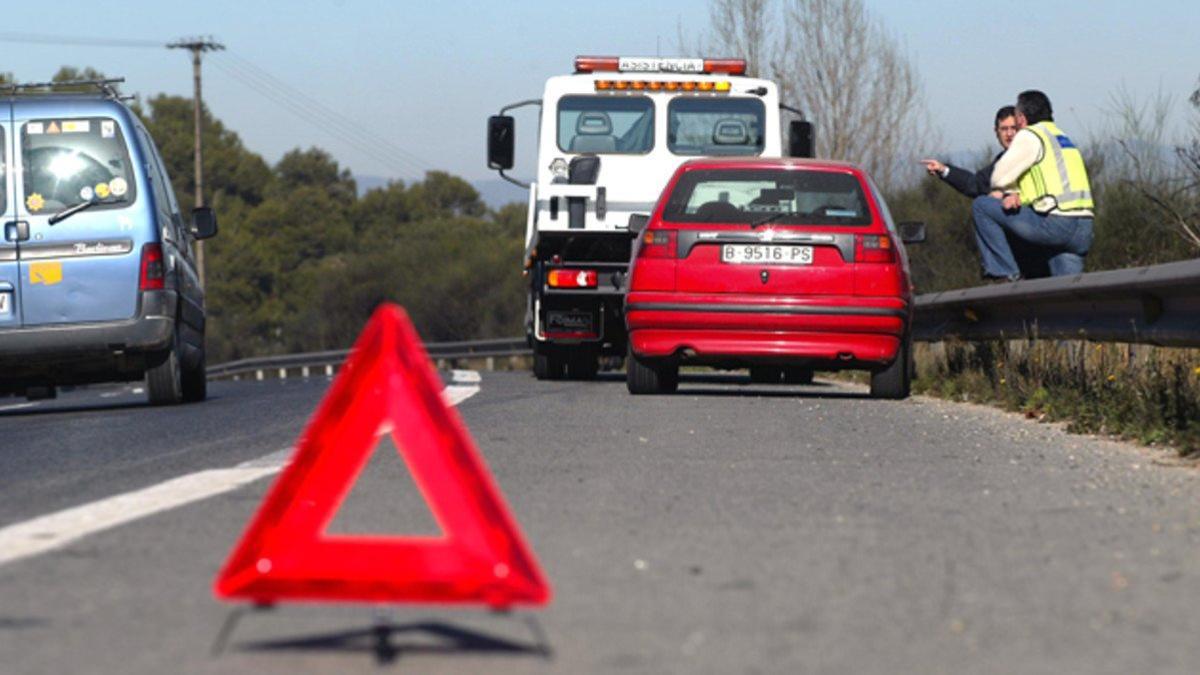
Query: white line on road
[[17, 406], [46, 533]]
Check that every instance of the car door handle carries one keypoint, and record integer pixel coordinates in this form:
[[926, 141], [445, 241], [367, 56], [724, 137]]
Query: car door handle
[[16, 230]]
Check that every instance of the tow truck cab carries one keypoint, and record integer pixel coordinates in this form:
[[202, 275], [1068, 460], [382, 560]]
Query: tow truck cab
[[610, 136]]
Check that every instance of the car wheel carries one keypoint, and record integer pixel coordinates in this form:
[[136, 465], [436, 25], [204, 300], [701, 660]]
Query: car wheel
[[765, 375], [164, 380], [195, 380], [548, 363], [795, 375], [895, 381], [648, 377]]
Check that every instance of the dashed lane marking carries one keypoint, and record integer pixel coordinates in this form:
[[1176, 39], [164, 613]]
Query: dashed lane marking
[[46, 533]]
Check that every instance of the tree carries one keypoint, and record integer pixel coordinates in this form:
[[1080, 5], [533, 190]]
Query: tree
[[847, 73]]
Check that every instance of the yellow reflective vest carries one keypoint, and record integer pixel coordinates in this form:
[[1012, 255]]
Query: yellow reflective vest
[[1059, 173]]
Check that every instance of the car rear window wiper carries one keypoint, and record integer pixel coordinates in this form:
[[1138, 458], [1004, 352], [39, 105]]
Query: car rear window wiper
[[81, 206], [769, 219]]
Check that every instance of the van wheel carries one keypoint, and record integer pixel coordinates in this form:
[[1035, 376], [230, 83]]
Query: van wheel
[[795, 375], [895, 381], [41, 392], [195, 380], [548, 363], [164, 381], [645, 377]]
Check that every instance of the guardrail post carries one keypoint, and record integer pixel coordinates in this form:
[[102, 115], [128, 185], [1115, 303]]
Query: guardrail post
[[304, 372], [258, 375], [491, 363]]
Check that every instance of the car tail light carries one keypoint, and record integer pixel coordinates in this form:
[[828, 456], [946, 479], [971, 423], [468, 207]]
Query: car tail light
[[874, 248], [658, 244], [572, 279], [154, 268]]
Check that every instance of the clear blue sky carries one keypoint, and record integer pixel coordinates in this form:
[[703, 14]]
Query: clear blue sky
[[423, 76]]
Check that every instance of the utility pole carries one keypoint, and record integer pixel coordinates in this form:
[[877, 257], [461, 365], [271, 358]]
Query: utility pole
[[198, 46]]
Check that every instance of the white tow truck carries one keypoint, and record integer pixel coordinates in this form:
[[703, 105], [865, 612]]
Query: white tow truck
[[610, 135]]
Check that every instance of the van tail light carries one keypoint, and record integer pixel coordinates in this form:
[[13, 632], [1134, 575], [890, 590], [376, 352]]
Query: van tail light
[[572, 279], [658, 244], [874, 248], [154, 268]]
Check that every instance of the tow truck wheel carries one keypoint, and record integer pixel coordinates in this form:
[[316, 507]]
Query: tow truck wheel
[[583, 365], [548, 363]]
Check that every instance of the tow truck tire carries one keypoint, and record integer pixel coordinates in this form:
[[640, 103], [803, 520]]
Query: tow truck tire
[[548, 363], [583, 365], [645, 377]]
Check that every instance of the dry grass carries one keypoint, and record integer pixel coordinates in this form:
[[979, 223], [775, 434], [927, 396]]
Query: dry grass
[[1142, 393]]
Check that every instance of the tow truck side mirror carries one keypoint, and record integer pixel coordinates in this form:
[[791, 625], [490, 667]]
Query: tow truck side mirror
[[911, 231], [800, 139], [500, 142], [638, 222]]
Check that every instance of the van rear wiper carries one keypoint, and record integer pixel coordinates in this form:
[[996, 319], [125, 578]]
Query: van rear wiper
[[81, 206]]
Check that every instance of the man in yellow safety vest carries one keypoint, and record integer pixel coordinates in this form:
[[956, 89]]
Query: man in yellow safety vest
[[1041, 195]]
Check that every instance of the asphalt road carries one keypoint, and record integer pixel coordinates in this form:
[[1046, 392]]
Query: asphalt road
[[730, 528]]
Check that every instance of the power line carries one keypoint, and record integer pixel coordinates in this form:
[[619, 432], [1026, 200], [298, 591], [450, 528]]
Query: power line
[[46, 39]]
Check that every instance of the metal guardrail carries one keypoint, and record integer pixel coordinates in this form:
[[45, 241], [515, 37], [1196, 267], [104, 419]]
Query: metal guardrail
[[306, 364], [1158, 305]]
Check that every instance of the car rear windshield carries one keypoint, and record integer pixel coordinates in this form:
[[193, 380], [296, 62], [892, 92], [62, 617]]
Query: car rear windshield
[[69, 161], [750, 195], [606, 125], [715, 126]]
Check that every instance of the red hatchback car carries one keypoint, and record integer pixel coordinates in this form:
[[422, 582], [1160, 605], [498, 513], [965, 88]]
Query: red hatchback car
[[784, 266]]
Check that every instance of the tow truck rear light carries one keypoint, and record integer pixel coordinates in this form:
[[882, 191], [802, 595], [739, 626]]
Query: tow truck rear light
[[153, 268], [874, 248], [707, 86], [572, 279], [658, 244], [729, 66]]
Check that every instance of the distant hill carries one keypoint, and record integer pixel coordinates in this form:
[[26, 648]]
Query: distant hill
[[495, 192]]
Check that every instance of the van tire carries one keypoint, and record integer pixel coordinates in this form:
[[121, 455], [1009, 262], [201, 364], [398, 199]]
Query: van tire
[[895, 381], [164, 381], [195, 380], [646, 377]]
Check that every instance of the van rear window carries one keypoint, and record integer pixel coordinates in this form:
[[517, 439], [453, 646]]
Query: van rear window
[[68, 161], [783, 196]]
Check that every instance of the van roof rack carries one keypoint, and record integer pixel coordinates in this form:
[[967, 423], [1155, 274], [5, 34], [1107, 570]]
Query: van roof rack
[[106, 86]]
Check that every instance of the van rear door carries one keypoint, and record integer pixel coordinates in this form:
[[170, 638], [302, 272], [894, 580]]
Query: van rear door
[[83, 267], [10, 310]]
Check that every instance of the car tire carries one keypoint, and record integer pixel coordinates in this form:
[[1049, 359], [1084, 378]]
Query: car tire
[[648, 377], [164, 380], [195, 380], [895, 381], [765, 375], [548, 363], [796, 375]]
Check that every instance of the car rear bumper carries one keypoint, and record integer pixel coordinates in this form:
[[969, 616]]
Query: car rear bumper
[[150, 331], [838, 331]]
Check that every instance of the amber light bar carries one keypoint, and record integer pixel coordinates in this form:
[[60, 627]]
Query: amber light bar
[[722, 87]]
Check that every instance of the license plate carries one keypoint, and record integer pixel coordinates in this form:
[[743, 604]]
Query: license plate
[[768, 254], [569, 322], [5, 303]]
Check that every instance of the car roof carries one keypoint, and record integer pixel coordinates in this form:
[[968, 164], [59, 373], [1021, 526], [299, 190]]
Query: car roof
[[52, 105], [769, 163]]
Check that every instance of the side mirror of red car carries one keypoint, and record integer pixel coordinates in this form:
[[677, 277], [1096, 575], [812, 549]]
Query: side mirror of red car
[[638, 222]]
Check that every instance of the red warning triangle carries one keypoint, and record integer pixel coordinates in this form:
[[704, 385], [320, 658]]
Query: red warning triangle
[[386, 386]]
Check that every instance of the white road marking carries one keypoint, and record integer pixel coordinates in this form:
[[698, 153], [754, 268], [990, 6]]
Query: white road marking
[[46, 533]]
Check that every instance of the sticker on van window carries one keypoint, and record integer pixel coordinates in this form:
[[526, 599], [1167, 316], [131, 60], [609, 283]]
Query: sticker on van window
[[76, 126], [45, 273], [102, 190], [35, 128], [35, 202], [53, 128], [108, 129], [86, 193], [118, 187]]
